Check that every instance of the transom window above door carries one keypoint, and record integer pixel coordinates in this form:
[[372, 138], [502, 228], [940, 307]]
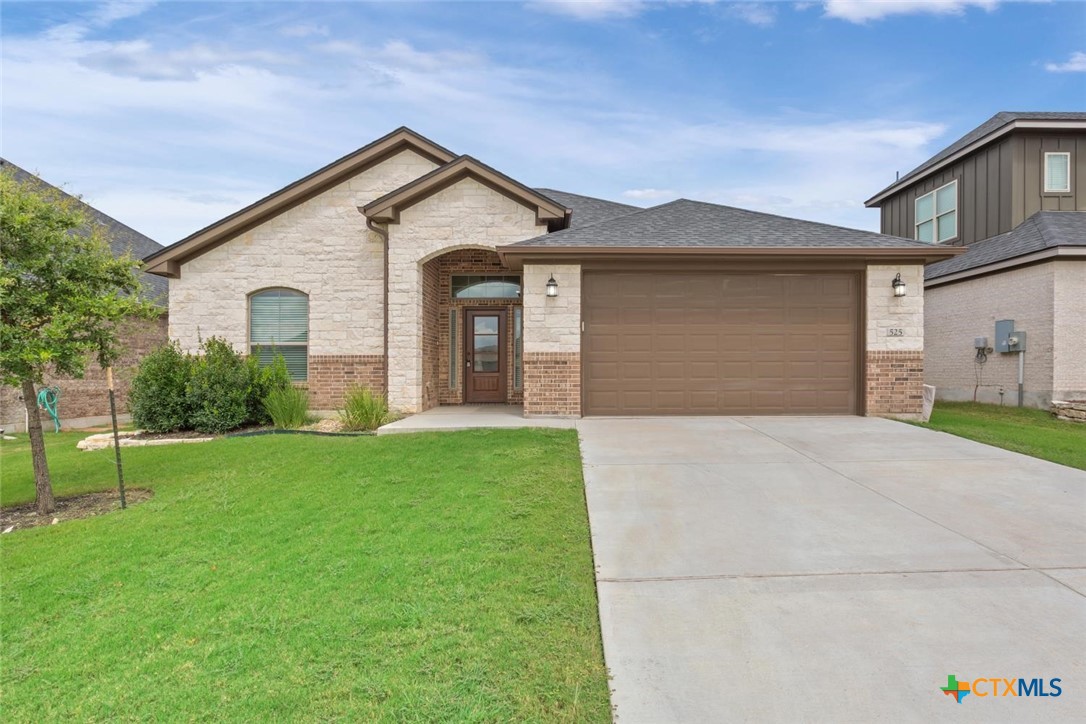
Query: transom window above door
[[485, 286]]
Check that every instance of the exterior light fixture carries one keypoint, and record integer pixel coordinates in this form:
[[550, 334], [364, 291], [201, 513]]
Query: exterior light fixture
[[899, 286], [552, 287]]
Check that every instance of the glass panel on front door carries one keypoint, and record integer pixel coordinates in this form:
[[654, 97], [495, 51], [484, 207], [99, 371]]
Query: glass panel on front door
[[486, 349]]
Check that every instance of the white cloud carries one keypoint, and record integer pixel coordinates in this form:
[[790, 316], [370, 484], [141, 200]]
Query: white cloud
[[649, 194], [138, 59], [861, 11], [591, 9], [756, 13], [304, 30], [1075, 64]]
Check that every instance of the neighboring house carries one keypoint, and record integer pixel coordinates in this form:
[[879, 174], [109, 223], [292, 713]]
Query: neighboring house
[[85, 401], [1014, 191], [439, 280]]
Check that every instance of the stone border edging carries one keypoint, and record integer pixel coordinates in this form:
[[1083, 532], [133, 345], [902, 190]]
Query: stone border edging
[[257, 433]]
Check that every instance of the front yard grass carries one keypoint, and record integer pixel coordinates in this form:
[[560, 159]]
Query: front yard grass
[[433, 577], [1025, 430]]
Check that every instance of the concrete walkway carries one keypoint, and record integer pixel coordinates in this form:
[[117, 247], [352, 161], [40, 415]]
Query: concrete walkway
[[468, 417], [831, 570]]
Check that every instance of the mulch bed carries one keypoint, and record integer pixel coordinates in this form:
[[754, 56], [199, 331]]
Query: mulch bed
[[26, 515], [180, 435]]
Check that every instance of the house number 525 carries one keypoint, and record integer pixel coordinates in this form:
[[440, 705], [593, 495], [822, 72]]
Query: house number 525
[[895, 332]]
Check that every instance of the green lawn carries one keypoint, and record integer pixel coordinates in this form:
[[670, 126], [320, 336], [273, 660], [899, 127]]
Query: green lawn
[[438, 577], [1024, 430]]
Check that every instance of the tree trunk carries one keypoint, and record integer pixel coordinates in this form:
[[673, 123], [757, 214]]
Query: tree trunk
[[43, 488]]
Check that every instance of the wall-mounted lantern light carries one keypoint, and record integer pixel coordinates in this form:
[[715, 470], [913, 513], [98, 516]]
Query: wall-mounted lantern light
[[552, 287], [899, 286]]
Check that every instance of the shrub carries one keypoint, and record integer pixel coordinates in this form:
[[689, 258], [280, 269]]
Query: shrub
[[219, 389], [263, 381], [363, 410], [157, 397], [288, 407]]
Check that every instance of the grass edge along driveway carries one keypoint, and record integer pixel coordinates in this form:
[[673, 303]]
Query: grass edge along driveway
[[421, 577], [1022, 429]]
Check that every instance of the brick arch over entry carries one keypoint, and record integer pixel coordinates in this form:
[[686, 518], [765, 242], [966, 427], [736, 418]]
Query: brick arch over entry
[[442, 348]]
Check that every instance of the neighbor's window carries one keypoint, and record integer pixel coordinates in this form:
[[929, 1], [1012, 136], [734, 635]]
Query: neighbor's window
[[480, 286], [1057, 173], [937, 214], [279, 324]]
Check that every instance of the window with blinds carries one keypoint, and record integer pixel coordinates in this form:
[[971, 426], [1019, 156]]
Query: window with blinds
[[1058, 173], [279, 324]]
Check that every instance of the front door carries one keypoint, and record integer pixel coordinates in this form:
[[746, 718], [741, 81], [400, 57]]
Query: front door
[[484, 372]]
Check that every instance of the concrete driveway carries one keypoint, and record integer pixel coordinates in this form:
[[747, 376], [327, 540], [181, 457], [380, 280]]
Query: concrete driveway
[[831, 569]]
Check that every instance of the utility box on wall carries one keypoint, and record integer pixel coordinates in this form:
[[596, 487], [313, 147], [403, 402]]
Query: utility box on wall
[[1004, 330]]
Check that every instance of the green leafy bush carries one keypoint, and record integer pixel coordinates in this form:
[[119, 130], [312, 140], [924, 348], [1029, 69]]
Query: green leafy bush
[[287, 407], [363, 410], [218, 393], [263, 381], [157, 397]]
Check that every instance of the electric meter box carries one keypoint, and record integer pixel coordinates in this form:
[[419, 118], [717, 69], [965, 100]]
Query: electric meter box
[[1004, 330]]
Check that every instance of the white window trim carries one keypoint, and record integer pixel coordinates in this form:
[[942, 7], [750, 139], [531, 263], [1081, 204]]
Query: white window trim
[[1044, 172], [935, 214]]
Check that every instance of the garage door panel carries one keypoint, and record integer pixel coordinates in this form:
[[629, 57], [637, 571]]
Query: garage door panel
[[720, 343]]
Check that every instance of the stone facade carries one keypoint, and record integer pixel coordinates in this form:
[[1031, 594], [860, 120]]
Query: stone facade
[[464, 215], [86, 401], [894, 354], [552, 341], [1047, 301], [321, 247]]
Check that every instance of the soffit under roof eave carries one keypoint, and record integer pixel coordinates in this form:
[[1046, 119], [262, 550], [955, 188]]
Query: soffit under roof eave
[[166, 261]]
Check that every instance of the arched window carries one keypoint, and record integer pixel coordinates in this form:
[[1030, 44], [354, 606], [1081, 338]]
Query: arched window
[[279, 324]]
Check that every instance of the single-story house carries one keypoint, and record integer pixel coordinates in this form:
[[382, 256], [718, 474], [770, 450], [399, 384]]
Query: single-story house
[[85, 401], [439, 280]]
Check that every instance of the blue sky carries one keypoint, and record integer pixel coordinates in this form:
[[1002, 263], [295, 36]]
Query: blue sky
[[169, 116]]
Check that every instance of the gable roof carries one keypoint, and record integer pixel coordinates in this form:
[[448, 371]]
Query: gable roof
[[387, 208], [1045, 231], [996, 126], [588, 209], [166, 262], [123, 239], [690, 227]]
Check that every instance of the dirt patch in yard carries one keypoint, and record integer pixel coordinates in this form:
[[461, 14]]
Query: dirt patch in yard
[[89, 505]]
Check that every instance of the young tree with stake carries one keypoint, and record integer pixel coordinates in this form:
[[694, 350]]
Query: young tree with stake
[[63, 298]]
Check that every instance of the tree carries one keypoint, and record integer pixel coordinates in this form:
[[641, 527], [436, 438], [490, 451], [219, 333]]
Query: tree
[[63, 298]]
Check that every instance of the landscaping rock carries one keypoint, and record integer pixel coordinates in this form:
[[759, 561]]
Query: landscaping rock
[[1069, 410], [131, 438]]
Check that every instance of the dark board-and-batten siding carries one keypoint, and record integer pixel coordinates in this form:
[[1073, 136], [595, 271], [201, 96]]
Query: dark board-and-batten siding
[[999, 187]]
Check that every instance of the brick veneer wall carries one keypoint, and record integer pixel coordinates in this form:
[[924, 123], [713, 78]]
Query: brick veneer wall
[[89, 396], [552, 384], [330, 375], [431, 333], [468, 261], [895, 382]]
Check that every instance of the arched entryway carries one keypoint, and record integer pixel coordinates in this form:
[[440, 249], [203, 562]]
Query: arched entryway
[[472, 330]]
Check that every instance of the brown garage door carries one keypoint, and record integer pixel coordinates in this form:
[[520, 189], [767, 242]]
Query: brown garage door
[[677, 343]]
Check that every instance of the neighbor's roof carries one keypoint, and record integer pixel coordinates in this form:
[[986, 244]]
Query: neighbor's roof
[[1045, 231], [997, 125], [122, 238], [697, 225], [588, 209]]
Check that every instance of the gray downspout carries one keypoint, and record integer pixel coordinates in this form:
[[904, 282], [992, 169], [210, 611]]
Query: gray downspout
[[383, 233]]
